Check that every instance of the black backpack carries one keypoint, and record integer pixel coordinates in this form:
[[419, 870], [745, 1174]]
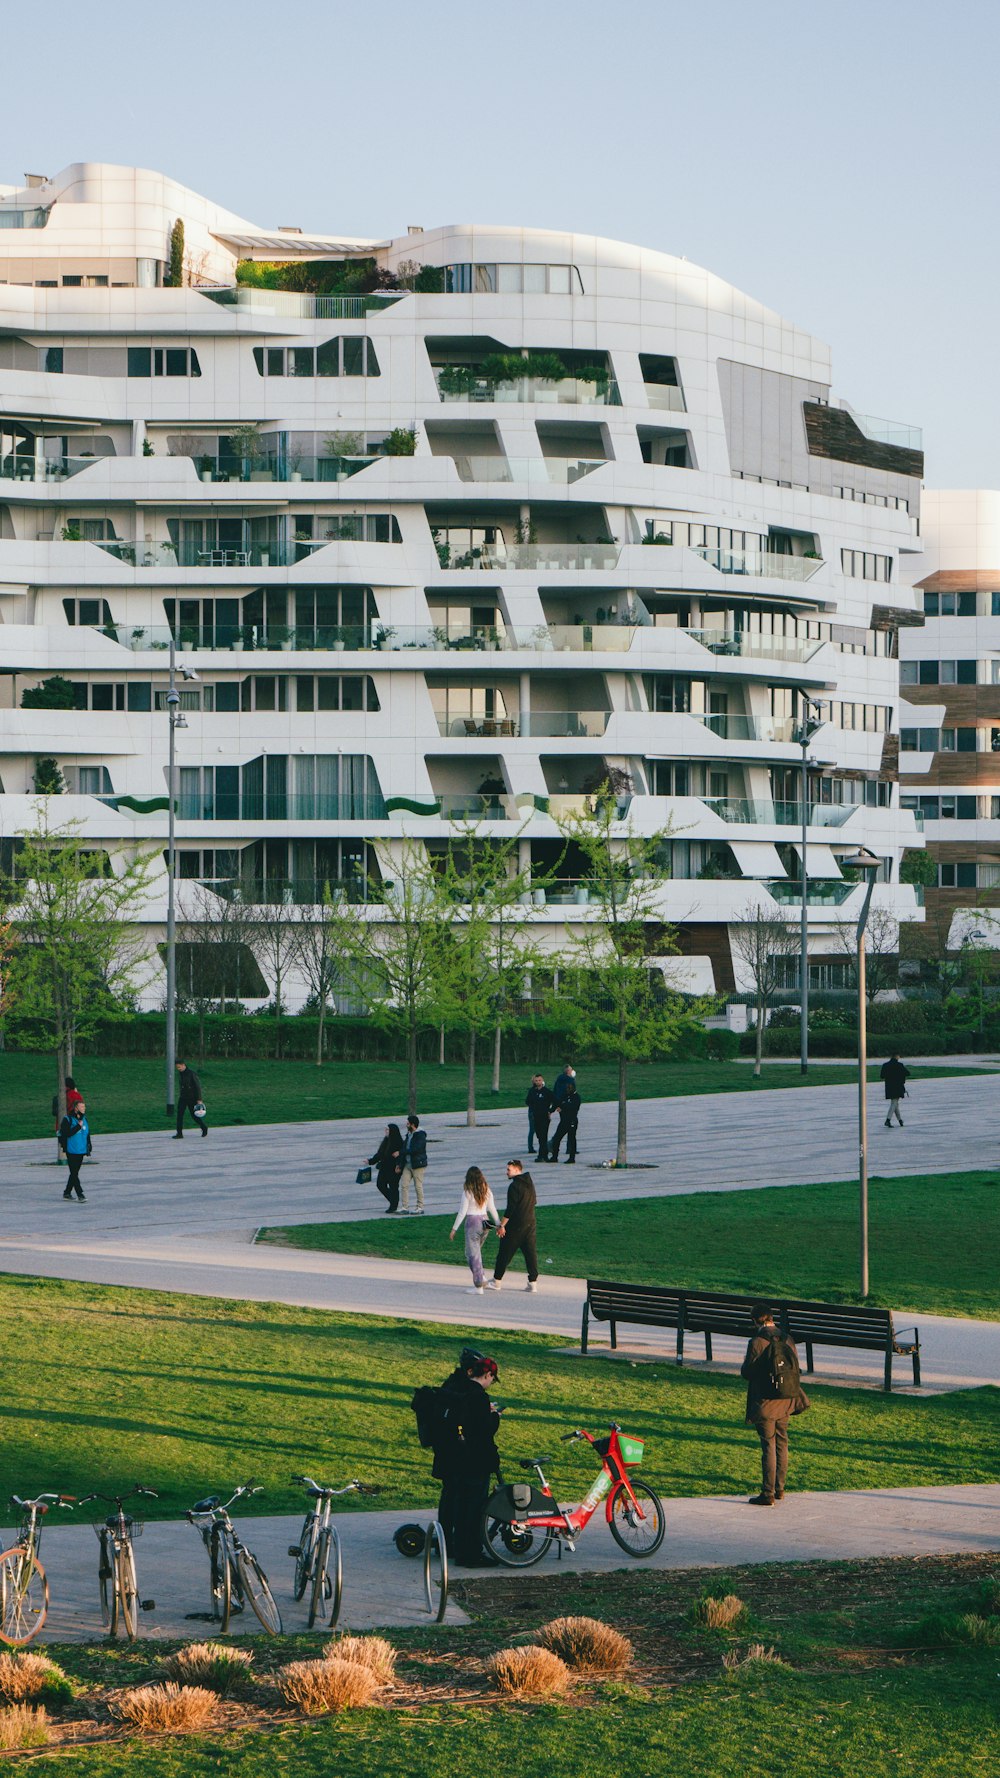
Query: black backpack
[[438, 1412], [783, 1368]]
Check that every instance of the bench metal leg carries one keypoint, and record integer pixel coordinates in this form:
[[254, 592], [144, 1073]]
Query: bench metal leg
[[809, 1355], [887, 1380], [614, 1336], [584, 1330], [916, 1360], [708, 1347], [680, 1342]]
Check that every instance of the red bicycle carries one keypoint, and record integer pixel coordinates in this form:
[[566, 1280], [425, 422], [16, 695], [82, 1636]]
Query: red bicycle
[[519, 1524]]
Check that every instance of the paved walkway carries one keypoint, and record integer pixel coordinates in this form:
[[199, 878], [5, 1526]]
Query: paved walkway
[[384, 1589]]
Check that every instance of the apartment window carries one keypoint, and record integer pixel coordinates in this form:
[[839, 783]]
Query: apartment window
[[92, 614], [510, 280], [955, 604], [349, 355], [939, 672], [277, 788], [335, 691], [670, 777], [265, 691], [958, 875], [918, 740], [862, 564], [93, 781], [162, 361], [54, 359]]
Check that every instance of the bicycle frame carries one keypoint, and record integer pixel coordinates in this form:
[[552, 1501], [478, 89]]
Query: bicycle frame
[[29, 1537], [205, 1522], [613, 1470]]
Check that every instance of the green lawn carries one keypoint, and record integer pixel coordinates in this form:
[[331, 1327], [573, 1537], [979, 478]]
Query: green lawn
[[127, 1093], [861, 1694], [934, 1241], [190, 1395]]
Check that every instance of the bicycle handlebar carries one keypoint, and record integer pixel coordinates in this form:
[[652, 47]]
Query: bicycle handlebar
[[116, 1499], [40, 1499], [329, 1487]]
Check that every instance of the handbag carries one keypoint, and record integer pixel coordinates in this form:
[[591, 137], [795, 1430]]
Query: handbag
[[199, 1109], [363, 1176]]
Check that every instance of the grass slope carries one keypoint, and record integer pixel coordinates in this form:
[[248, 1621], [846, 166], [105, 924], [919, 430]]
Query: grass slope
[[128, 1093], [190, 1395], [934, 1241]]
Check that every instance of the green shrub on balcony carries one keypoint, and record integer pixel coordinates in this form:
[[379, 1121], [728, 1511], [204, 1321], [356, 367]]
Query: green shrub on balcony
[[401, 442], [53, 694], [499, 368]]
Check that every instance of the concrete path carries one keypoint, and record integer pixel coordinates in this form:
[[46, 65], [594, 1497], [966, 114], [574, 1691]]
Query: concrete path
[[382, 1588]]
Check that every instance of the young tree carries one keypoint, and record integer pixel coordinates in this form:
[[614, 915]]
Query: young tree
[[175, 264], [881, 950], [327, 953], [215, 960], [614, 1000], [763, 942], [272, 932], [79, 943], [399, 948]]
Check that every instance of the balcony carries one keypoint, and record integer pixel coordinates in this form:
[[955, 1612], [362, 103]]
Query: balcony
[[291, 807], [576, 638], [820, 892], [537, 725], [752, 646], [300, 892], [743, 812], [519, 558], [665, 396], [558, 471], [745, 728], [287, 303], [761, 564], [293, 466], [566, 391], [14, 468], [374, 637], [277, 553]]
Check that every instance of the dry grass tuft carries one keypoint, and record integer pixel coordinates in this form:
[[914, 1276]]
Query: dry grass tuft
[[321, 1687], [28, 1675], [223, 1669], [528, 1672], [373, 1652], [756, 1656], [23, 1725], [720, 1614], [587, 1644], [166, 1709]]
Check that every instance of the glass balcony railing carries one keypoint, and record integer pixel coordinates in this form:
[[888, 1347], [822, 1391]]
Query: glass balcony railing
[[567, 391], [753, 646], [475, 806], [580, 638], [251, 637], [296, 466], [665, 395], [301, 892], [293, 807], [821, 892], [291, 303], [890, 432], [762, 564], [745, 812], [532, 557], [745, 728], [539, 724], [561, 471], [14, 468], [276, 553]]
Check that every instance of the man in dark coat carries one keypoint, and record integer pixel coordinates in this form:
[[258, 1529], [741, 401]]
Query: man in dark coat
[[895, 1075], [517, 1228], [540, 1103], [467, 1457], [768, 1412], [563, 1084], [188, 1096], [569, 1117]]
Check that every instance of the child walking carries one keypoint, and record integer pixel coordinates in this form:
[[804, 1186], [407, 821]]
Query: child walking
[[477, 1210]]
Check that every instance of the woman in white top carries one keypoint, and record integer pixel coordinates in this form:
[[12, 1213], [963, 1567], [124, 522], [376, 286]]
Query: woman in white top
[[476, 1210]]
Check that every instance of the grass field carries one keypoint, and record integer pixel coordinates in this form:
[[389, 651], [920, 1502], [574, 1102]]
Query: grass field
[[870, 1687], [190, 1395], [126, 1093], [793, 1240]]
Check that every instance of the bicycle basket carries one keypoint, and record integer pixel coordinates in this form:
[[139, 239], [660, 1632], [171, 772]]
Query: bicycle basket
[[517, 1500], [631, 1448]]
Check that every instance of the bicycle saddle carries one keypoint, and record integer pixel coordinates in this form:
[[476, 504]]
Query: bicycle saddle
[[206, 1506], [532, 1462]]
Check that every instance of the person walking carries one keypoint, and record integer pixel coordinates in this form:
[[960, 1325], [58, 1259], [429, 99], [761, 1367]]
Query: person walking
[[466, 1456], [563, 1084], [518, 1231], [895, 1075], [774, 1394], [388, 1158], [188, 1098], [531, 1119], [569, 1117], [540, 1103], [73, 1098], [477, 1210], [74, 1140], [414, 1164]]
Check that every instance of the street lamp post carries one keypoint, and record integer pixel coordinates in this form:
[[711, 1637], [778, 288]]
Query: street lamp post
[[865, 861], [803, 734], [175, 719]]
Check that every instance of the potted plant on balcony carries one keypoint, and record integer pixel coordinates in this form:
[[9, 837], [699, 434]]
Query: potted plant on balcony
[[400, 442], [339, 446], [71, 532], [247, 444], [279, 636], [206, 465]]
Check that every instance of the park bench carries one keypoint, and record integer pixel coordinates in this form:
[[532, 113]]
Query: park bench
[[709, 1312]]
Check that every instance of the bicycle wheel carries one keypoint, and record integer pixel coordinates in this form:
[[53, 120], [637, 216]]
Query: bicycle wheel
[[436, 1572], [516, 1546], [107, 1581], [24, 1596], [222, 1578], [255, 1588], [128, 1591], [320, 1591], [335, 1575], [306, 1555], [637, 1535]]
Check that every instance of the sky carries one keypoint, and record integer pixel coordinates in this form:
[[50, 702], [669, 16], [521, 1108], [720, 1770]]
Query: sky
[[837, 159]]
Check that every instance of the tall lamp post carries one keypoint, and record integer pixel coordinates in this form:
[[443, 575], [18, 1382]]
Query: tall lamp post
[[809, 721], [865, 861], [175, 719]]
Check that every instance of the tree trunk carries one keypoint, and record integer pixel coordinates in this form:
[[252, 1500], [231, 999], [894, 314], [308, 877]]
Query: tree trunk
[[470, 1115], [495, 1085], [201, 1031], [321, 1026], [759, 1046], [441, 1047], [621, 1153], [411, 1080], [64, 1068]]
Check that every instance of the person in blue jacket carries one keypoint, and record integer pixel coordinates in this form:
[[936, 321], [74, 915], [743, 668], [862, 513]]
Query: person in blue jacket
[[74, 1140]]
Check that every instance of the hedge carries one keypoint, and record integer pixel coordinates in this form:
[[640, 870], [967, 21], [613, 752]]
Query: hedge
[[827, 1042]]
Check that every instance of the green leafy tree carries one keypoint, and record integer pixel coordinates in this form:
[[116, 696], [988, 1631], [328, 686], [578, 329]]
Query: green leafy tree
[[327, 953], [612, 998], [398, 948], [55, 693], [175, 264], [48, 779]]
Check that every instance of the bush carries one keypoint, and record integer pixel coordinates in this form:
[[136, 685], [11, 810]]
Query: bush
[[222, 1668], [373, 1652], [756, 1656], [23, 1726], [948, 1629], [528, 1672], [587, 1644], [165, 1709], [318, 1688], [27, 1675], [719, 1614]]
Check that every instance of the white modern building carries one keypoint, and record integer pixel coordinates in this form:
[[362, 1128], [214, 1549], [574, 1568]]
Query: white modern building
[[523, 513]]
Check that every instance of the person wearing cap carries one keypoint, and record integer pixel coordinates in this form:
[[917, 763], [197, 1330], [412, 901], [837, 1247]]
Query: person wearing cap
[[467, 1460], [769, 1412]]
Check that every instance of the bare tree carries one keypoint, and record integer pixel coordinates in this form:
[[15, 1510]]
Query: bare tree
[[215, 960], [763, 943], [399, 948], [327, 953], [881, 950], [272, 933]]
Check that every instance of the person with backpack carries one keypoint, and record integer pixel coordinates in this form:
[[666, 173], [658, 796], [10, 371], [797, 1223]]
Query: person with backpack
[[74, 1140], [895, 1075], [774, 1394], [458, 1421]]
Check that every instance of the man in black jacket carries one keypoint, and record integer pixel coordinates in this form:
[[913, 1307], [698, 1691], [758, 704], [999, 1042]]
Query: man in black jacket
[[540, 1103], [466, 1458], [517, 1228], [768, 1410], [895, 1074], [188, 1096], [414, 1164], [569, 1117]]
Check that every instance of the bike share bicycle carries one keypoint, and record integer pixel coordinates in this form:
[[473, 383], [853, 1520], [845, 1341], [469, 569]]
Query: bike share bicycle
[[319, 1563], [521, 1520], [236, 1574], [24, 1590], [116, 1577]]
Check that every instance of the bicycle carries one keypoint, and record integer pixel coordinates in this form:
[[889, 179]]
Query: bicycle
[[236, 1574], [634, 1513], [318, 1559], [116, 1565], [24, 1590]]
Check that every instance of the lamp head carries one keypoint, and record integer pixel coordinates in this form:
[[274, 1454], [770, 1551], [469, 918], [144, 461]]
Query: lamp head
[[178, 719], [862, 859], [189, 673]]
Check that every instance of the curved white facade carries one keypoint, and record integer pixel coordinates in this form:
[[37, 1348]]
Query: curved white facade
[[630, 564]]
